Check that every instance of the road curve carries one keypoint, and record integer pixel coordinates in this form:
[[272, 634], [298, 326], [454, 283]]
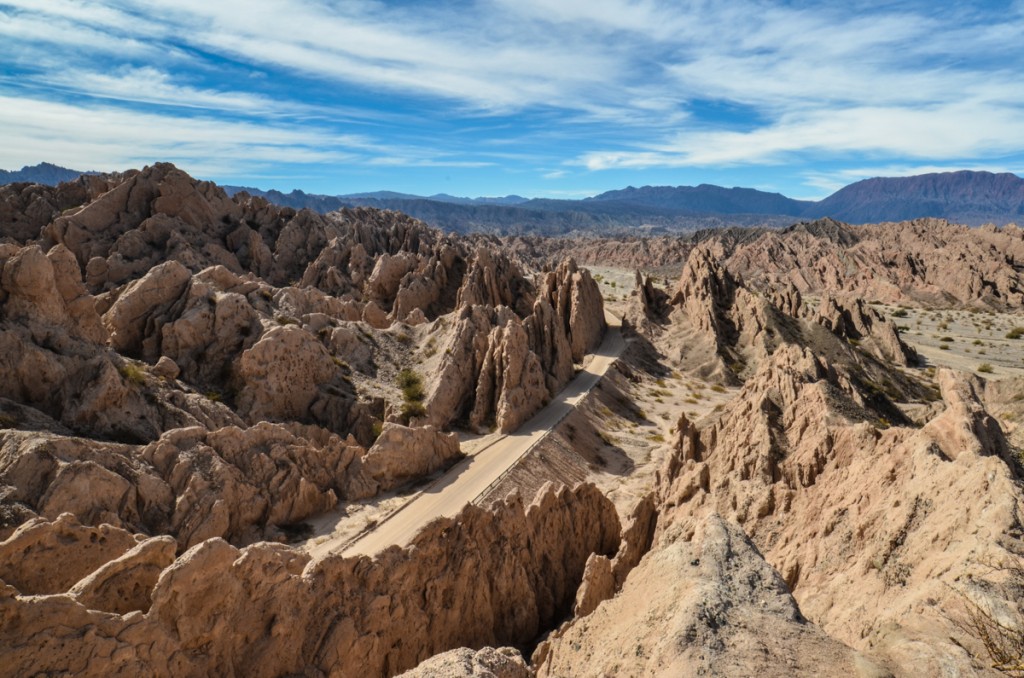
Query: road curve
[[469, 478]]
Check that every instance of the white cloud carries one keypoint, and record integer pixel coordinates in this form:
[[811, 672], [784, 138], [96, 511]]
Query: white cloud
[[109, 138], [922, 84], [957, 130]]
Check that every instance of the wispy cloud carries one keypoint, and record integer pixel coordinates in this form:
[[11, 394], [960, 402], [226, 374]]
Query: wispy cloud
[[598, 85]]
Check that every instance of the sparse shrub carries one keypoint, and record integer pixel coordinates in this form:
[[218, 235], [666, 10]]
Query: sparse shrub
[[718, 388], [656, 438], [977, 342], [899, 313], [133, 373], [403, 338], [214, 396], [1015, 333], [944, 347], [412, 409], [7, 421], [947, 340], [285, 320], [411, 385], [985, 368]]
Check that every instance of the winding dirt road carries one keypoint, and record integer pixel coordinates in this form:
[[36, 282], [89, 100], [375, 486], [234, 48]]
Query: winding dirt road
[[469, 478]]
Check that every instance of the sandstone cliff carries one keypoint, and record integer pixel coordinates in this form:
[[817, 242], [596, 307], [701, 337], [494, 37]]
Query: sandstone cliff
[[482, 578]]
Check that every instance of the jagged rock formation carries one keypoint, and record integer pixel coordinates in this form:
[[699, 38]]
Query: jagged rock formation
[[400, 454], [873, 528], [505, 662], [483, 578], [723, 324], [710, 606], [192, 483], [855, 321], [925, 260], [500, 368]]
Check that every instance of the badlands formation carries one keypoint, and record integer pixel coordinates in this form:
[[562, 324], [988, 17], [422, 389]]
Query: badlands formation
[[781, 475]]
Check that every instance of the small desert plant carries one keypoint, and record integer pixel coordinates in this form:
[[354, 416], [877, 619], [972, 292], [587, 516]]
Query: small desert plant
[[133, 373], [7, 421], [899, 313], [718, 388], [1015, 333], [947, 340], [944, 347], [412, 409], [986, 368]]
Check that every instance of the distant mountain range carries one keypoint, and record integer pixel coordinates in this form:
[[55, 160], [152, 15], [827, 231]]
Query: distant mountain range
[[966, 197], [43, 173]]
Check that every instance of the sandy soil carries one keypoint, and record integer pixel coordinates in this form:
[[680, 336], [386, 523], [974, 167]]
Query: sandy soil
[[964, 340]]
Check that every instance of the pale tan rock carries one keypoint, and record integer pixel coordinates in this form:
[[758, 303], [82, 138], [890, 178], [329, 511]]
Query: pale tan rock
[[710, 606], [866, 525], [383, 283], [280, 374], [126, 583], [598, 585], [166, 368], [401, 454], [29, 281], [210, 331], [511, 385], [127, 320], [489, 662], [268, 610], [375, 316], [44, 557], [415, 317], [80, 305], [852, 319]]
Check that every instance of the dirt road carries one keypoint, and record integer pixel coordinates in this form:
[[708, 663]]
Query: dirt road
[[465, 481]]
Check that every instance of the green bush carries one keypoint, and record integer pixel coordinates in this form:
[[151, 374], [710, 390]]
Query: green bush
[[412, 409], [1015, 333], [133, 373], [986, 368]]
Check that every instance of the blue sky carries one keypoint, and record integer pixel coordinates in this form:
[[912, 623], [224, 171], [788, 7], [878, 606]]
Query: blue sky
[[491, 97]]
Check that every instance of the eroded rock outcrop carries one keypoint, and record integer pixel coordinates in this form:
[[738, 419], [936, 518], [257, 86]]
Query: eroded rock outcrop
[[722, 325], [711, 605], [874, 528], [489, 662], [854, 320], [480, 579], [195, 484], [400, 454], [499, 368]]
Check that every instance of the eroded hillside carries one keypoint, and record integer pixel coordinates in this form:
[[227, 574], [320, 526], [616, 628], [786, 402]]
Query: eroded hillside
[[774, 477]]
